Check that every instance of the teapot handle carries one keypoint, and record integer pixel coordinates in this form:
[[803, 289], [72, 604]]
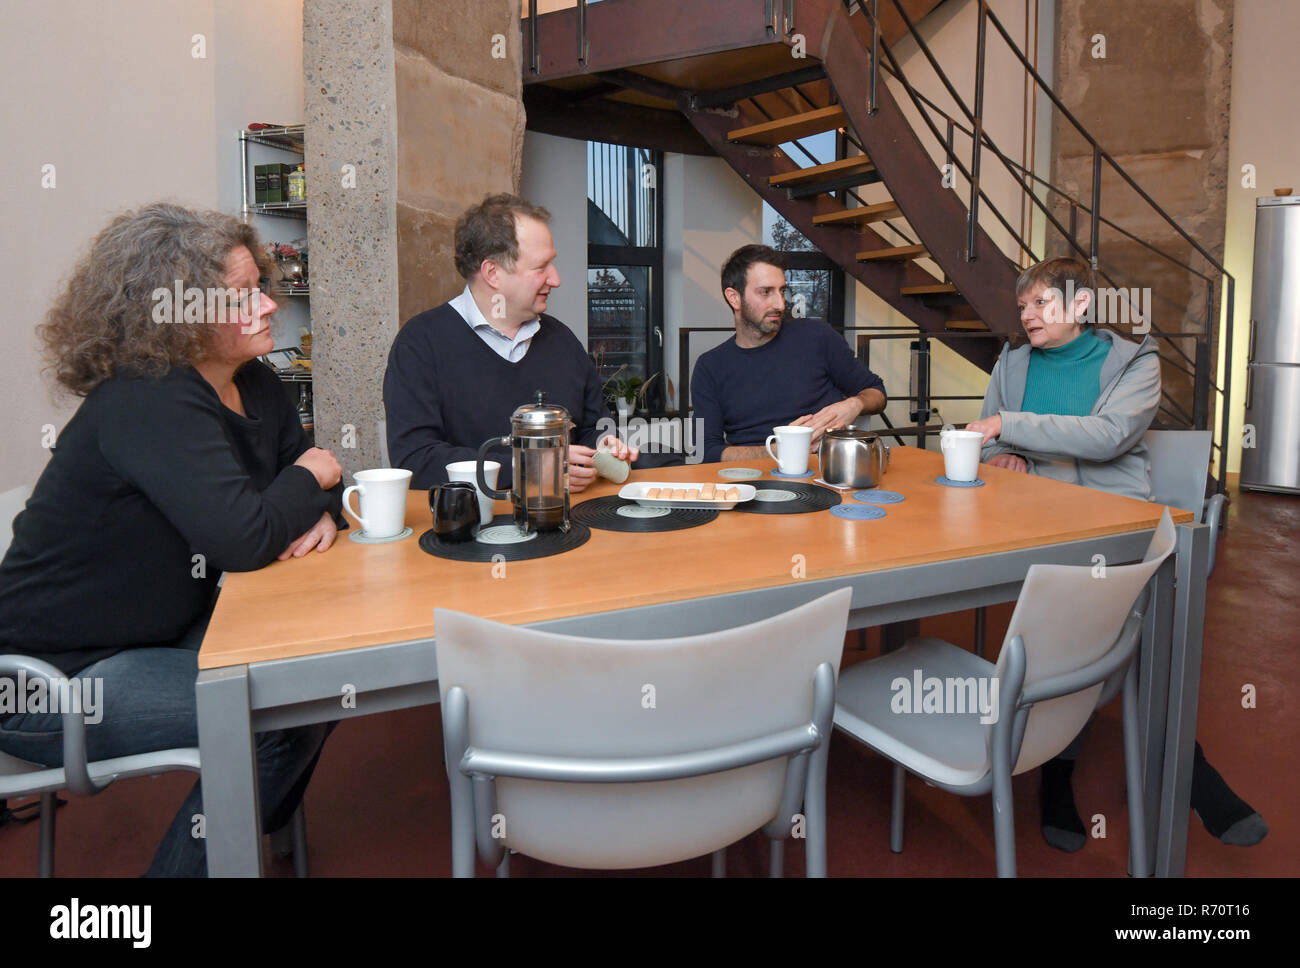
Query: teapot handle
[[478, 469]]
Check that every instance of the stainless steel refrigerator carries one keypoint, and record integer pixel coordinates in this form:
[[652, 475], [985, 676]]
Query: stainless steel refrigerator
[[1273, 373]]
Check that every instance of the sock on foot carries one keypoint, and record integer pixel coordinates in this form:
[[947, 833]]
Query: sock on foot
[[1225, 815], [1062, 827]]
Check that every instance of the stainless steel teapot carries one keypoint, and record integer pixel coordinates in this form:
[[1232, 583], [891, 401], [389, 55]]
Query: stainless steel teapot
[[851, 457]]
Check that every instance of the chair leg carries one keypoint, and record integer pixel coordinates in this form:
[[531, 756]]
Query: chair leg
[[719, 867], [48, 812], [1138, 858], [1004, 824], [896, 810], [298, 830], [503, 868], [776, 858]]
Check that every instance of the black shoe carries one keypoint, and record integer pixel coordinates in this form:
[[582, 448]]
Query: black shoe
[[1062, 827], [1225, 815]]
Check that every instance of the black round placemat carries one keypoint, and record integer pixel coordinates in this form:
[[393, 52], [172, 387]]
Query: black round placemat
[[603, 513], [807, 497], [546, 543]]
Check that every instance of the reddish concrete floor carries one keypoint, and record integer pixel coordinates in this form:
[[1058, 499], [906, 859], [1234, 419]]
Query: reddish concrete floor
[[378, 804]]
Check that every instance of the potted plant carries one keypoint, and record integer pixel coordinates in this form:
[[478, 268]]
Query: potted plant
[[627, 393]]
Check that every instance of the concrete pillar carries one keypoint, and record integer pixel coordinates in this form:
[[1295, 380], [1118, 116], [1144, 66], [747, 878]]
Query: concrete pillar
[[424, 102]]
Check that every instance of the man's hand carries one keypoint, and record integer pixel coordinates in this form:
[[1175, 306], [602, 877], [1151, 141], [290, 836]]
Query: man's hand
[[581, 471], [619, 449], [320, 536], [1011, 462], [836, 415], [990, 427]]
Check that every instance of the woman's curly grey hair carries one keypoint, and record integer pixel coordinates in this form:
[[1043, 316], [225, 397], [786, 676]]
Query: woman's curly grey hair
[[103, 320]]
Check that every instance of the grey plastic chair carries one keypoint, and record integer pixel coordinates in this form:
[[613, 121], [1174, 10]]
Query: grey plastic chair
[[1180, 463], [20, 778], [1069, 633], [613, 754]]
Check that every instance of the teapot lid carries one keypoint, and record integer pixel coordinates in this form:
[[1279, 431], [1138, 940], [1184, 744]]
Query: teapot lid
[[850, 432], [540, 416]]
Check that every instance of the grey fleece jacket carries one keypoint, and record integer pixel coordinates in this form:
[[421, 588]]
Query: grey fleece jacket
[[1105, 449]]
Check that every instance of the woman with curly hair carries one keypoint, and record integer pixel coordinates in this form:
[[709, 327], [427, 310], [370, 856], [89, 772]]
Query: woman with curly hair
[[185, 459]]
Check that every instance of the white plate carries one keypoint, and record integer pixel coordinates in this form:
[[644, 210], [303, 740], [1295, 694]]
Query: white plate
[[636, 492]]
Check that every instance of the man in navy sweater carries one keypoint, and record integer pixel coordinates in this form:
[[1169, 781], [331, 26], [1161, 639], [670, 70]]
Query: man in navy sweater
[[799, 372], [457, 372]]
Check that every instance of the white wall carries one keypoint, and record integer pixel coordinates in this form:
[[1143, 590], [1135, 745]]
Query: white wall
[[110, 94], [1263, 120], [555, 176]]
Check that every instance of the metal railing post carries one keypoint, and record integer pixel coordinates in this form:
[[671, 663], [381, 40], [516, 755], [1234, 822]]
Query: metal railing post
[[875, 55], [977, 126], [534, 58], [683, 371], [921, 387], [582, 33], [1201, 389], [1094, 247], [1226, 356]]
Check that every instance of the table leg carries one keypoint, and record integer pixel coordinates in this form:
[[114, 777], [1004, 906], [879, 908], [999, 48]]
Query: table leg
[[1153, 695], [1184, 689], [232, 821]]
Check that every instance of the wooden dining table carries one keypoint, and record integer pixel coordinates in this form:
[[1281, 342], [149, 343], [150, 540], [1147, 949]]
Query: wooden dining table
[[350, 632]]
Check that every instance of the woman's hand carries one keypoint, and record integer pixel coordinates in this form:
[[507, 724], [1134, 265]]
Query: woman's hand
[[990, 427], [323, 466], [320, 536], [1011, 462]]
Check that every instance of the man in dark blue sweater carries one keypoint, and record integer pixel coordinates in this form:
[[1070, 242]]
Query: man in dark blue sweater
[[457, 372], [799, 372]]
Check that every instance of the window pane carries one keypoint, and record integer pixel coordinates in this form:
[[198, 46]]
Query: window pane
[[808, 292], [621, 186], [618, 319]]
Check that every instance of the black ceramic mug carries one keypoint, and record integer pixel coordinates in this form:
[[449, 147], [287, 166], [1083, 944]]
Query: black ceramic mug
[[455, 510]]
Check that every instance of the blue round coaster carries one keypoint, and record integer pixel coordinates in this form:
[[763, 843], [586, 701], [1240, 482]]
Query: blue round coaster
[[947, 483], [877, 496], [858, 512], [793, 477]]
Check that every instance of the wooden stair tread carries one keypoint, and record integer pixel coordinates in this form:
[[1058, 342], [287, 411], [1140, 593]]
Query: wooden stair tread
[[898, 252], [938, 288], [966, 324], [845, 166], [862, 215], [792, 128]]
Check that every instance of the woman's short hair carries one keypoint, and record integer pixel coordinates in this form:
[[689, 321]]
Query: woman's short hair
[[105, 319], [487, 231]]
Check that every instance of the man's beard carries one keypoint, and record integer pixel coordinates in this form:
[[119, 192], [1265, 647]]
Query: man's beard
[[758, 322]]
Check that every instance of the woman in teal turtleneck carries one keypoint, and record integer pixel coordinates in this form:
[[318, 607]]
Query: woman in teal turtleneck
[[1074, 405]]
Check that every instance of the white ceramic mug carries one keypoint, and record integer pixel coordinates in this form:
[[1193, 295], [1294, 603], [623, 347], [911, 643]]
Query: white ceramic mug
[[961, 453], [383, 501], [792, 447], [464, 470]]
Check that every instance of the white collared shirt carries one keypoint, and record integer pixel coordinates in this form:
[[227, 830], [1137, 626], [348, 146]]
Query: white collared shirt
[[501, 344]]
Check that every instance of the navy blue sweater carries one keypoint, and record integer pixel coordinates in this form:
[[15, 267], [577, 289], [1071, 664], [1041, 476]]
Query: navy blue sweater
[[148, 473], [741, 394], [446, 392]]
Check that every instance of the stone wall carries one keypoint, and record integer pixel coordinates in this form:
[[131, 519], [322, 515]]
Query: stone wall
[[1158, 103], [460, 131]]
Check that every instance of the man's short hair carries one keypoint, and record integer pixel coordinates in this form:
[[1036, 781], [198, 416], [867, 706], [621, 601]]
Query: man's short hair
[[736, 268], [487, 231]]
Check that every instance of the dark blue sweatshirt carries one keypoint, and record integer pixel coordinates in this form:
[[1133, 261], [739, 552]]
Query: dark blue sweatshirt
[[446, 392], [741, 394]]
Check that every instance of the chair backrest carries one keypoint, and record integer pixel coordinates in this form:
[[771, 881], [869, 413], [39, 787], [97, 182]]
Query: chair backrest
[[538, 693], [1069, 617], [11, 502], [1180, 461]]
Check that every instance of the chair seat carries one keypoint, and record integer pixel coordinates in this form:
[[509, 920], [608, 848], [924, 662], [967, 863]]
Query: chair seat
[[950, 748]]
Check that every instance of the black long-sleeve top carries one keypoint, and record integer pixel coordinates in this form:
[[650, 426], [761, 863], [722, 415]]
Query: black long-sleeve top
[[154, 488], [446, 392]]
